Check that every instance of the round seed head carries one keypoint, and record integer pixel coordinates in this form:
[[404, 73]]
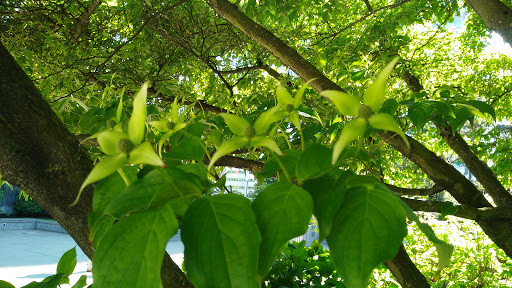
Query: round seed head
[[125, 145], [289, 108], [111, 124], [171, 125], [249, 132], [364, 111]]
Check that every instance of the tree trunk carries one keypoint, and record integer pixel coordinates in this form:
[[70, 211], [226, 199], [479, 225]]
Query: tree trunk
[[496, 16], [39, 155]]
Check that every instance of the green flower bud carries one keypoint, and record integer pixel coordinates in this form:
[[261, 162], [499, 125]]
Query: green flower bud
[[249, 132], [125, 145], [171, 125], [365, 111], [111, 124], [289, 108]]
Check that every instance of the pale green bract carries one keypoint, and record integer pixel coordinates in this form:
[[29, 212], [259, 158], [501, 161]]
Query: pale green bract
[[109, 141], [284, 99], [163, 125]]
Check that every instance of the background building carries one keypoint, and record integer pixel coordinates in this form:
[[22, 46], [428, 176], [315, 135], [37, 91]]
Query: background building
[[240, 181]]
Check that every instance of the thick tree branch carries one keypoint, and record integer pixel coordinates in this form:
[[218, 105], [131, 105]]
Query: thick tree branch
[[288, 56], [477, 167], [405, 272], [237, 162], [415, 191], [472, 213], [496, 16]]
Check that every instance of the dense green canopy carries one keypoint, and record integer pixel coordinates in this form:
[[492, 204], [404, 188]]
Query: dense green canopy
[[449, 93]]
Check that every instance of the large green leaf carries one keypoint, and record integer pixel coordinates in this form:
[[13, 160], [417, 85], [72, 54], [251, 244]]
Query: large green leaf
[[283, 211], [313, 162], [368, 229], [222, 242], [4, 284], [131, 253], [328, 193], [67, 262], [483, 107], [158, 188], [289, 161], [188, 149], [419, 113]]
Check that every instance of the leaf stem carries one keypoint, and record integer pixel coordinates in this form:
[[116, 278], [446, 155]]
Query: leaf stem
[[282, 167], [301, 139]]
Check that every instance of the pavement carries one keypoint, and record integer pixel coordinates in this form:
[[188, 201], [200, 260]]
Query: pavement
[[32, 255]]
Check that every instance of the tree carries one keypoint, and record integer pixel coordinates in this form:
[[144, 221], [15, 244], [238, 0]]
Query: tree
[[218, 57]]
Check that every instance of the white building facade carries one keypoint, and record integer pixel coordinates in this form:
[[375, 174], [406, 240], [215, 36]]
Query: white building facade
[[240, 181]]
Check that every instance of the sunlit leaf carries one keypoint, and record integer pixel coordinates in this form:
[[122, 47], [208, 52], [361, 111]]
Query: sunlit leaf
[[236, 124], [175, 115], [283, 97], [386, 122], [264, 141], [294, 118], [119, 111], [160, 125], [266, 118], [103, 169], [375, 94], [109, 140], [222, 242], [144, 235], [345, 103], [297, 101], [144, 154], [227, 147], [483, 107], [137, 123], [67, 262], [351, 131], [283, 211]]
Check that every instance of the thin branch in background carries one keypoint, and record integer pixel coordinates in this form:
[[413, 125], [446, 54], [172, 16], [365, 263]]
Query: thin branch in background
[[416, 191], [84, 18]]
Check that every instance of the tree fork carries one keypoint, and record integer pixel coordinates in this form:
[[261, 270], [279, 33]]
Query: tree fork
[[43, 158]]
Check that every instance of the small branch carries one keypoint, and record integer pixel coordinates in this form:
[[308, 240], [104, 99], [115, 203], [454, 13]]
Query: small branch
[[487, 213], [237, 162], [367, 3], [416, 191], [82, 21], [240, 70], [199, 104]]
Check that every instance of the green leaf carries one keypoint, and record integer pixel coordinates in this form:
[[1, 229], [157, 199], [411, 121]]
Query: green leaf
[[160, 125], [228, 147], [108, 141], [419, 113], [294, 118], [309, 112], [227, 225], [351, 131], [328, 192], [444, 250], [368, 229], [137, 122], [448, 208], [345, 103], [289, 161], [389, 106], [387, 122], [144, 154], [375, 95], [266, 118], [175, 112], [188, 149], [264, 141], [103, 169], [67, 262], [483, 107], [82, 282], [119, 111], [131, 253], [236, 124], [158, 188], [283, 211], [5, 284], [313, 162], [283, 97], [297, 100]]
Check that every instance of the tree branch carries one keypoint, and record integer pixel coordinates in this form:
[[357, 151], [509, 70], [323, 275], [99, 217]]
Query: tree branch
[[237, 162], [496, 16], [82, 21], [288, 56], [415, 191], [472, 213]]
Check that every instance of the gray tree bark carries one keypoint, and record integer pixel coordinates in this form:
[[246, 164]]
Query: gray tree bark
[[39, 155], [496, 16]]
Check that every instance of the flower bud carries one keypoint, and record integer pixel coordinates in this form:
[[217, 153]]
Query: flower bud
[[365, 111], [249, 132], [125, 145]]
